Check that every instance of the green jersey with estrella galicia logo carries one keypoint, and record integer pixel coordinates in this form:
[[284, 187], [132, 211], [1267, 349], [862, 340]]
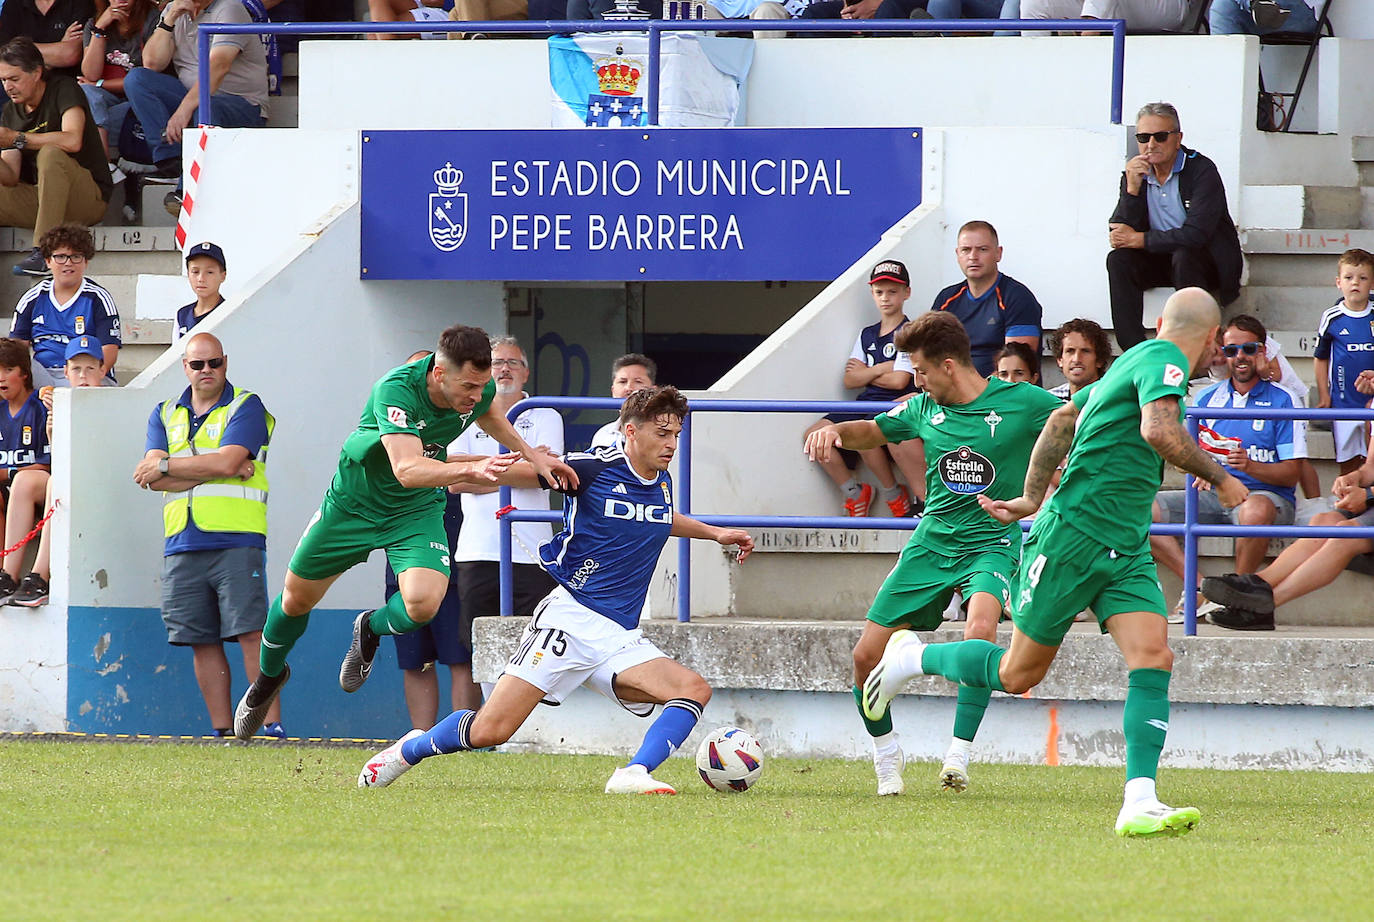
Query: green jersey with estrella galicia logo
[[364, 482], [1112, 473], [979, 447]]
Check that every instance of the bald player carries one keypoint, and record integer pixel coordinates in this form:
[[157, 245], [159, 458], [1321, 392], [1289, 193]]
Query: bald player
[[1090, 549]]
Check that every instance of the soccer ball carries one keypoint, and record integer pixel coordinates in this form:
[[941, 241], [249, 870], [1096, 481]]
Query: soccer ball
[[729, 759]]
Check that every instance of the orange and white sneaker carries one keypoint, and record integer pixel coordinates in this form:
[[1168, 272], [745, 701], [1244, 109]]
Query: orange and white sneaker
[[635, 779], [901, 504], [858, 508]]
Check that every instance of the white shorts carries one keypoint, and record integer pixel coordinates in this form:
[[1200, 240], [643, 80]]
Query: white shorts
[[567, 645], [1352, 438]]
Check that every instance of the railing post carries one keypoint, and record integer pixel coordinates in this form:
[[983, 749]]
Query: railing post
[[506, 568], [684, 502], [202, 76], [1118, 68], [655, 75], [1190, 544]]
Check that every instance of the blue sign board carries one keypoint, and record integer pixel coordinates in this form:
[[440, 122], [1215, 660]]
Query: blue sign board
[[728, 204]]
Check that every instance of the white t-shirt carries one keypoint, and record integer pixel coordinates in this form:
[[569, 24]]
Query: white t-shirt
[[479, 538], [606, 436]]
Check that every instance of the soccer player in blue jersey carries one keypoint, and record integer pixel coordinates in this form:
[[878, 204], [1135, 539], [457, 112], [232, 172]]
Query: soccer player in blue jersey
[[1345, 350], [24, 454], [586, 632], [57, 309]]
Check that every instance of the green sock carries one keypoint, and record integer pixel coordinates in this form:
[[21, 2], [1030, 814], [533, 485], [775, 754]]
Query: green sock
[[392, 618], [1145, 721], [279, 635], [968, 662], [876, 728], [969, 713]]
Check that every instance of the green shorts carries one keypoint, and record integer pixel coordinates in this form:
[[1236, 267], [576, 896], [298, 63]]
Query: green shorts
[[337, 539], [1064, 571], [917, 591]]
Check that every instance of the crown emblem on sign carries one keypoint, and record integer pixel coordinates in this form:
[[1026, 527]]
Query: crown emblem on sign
[[618, 76], [448, 179]]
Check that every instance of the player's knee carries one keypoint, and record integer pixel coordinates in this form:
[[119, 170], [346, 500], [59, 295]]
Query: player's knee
[[696, 689], [292, 605], [865, 658], [1153, 656], [484, 733], [981, 626], [422, 609], [1018, 681]]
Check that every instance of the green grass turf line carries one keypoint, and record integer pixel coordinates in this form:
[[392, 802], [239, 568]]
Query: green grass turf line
[[148, 833]]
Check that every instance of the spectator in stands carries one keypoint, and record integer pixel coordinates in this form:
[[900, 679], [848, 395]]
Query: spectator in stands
[[84, 362], [1345, 351], [629, 373], [409, 11], [479, 548], [872, 367], [1170, 226], [1140, 15], [52, 168], [24, 455], [865, 9], [54, 26], [1082, 351], [1305, 565], [1260, 453], [1261, 17], [994, 308], [974, 9], [52, 312], [114, 42], [166, 104], [205, 270], [485, 11], [1017, 362], [207, 452], [1276, 368]]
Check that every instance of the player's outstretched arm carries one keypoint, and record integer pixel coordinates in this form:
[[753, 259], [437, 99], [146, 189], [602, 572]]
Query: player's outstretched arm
[[553, 469], [684, 526], [856, 435], [414, 470], [1159, 426]]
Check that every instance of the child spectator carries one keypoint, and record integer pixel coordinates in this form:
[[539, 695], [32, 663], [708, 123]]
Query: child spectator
[[1017, 362], [84, 361], [66, 305], [1082, 351], [205, 270], [1345, 349], [871, 367], [114, 46], [24, 455]]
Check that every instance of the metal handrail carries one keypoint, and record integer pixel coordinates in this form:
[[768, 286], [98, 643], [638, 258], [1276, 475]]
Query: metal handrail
[[656, 27]]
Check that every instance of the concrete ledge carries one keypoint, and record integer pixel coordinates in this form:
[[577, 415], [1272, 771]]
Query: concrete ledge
[[1280, 669]]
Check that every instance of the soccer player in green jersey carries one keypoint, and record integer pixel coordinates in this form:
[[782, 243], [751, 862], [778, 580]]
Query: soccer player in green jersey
[[1090, 549], [978, 435], [388, 493]]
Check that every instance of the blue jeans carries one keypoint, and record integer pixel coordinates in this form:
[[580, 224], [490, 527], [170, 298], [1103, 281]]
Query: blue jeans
[[1232, 17], [156, 96], [974, 9], [107, 109]]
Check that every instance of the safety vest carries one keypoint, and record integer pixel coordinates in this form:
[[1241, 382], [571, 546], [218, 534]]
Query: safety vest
[[223, 505]]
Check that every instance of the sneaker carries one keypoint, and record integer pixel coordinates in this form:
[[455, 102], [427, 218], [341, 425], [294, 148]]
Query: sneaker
[[166, 173], [888, 765], [172, 202], [274, 730], [882, 684], [248, 718], [1240, 590], [8, 588], [117, 175], [387, 765], [134, 169], [918, 507], [1156, 819], [954, 773], [1202, 608], [858, 508], [1243, 619], [901, 504], [34, 264], [635, 779], [357, 662], [1268, 15], [32, 592]]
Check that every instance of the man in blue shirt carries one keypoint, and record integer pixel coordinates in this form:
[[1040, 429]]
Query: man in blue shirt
[[207, 451], [994, 308], [586, 632], [1262, 453]]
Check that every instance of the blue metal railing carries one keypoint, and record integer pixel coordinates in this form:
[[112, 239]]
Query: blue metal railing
[[656, 27], [1189, 528]]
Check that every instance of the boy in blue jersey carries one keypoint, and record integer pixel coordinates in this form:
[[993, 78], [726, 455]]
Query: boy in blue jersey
[[67, 305], [586, 632], [1345, 351], [205, 271], [25, 457]]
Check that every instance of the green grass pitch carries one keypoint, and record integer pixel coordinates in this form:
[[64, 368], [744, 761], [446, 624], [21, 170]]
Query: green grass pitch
[[115, 832]]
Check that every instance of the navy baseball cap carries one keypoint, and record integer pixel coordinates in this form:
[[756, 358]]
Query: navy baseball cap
[[890, 270], [84, 345], [209, 249]]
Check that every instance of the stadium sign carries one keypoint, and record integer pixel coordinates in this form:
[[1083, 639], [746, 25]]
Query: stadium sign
[[731, 204]]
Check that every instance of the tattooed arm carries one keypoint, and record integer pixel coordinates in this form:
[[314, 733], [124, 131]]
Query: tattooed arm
[[1050, 448], [1160, 427]]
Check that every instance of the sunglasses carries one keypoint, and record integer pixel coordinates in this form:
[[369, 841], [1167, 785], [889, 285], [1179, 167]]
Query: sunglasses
[[198, 364], [1233, 350], [1143, 137]]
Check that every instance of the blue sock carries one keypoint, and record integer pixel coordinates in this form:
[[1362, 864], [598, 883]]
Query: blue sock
[[673, 726], [448, 735]]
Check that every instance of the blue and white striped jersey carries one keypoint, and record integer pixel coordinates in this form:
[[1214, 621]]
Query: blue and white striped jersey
[[49, 326]]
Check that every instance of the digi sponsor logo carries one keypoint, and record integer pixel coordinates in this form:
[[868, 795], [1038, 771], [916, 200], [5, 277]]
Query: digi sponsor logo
[[965, 471], [18, 457], [637, 512]]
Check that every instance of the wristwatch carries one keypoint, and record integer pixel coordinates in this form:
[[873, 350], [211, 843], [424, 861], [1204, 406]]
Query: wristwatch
[[162, 24], [99, 83], [162, 465], [21, 140]]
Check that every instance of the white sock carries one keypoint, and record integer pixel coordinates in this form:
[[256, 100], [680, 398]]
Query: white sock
[[959, 748], [885, 742], [1140, 790]]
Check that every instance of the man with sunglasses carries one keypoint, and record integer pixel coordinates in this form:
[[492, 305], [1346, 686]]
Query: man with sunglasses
[[207, 453], [1263, 454], [1171, 226]]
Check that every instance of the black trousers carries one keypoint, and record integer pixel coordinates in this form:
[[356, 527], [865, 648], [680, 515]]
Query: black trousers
[[1131, 271]]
